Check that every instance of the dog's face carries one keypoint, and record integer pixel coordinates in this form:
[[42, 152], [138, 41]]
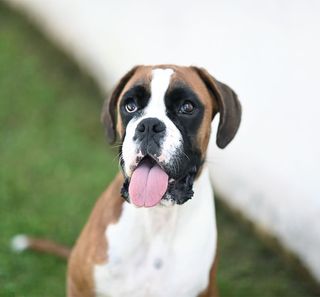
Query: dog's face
[[164, 116]]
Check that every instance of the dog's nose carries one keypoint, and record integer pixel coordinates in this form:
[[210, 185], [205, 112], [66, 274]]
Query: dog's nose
[[153, 128]]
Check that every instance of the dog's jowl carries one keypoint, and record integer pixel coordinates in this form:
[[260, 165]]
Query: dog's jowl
[[153, 231]]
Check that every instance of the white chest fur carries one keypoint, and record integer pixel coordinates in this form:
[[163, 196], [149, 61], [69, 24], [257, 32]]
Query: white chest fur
[[161, 251]]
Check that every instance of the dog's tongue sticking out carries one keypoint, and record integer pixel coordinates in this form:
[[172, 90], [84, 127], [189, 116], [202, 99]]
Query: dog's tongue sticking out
[[148, 184]]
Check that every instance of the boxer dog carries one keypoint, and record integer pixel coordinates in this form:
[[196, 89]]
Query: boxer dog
[[153, 232]]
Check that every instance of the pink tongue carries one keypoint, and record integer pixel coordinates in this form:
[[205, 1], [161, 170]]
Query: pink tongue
[[148, 184]]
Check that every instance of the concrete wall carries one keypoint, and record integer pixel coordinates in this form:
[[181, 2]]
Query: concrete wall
[[268, 51]]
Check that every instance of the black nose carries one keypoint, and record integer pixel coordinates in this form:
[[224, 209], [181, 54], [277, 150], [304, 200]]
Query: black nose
[[150, 128]]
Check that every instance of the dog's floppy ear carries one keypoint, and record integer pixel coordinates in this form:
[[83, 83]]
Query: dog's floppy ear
[[108, 116], [229, 107]]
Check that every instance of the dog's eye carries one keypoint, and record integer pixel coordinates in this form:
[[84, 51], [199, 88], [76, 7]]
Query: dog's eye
[[187, 107], [131, 106]]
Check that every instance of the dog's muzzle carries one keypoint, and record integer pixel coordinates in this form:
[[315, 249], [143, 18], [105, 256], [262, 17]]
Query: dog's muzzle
[[149, 181], [161, 171]]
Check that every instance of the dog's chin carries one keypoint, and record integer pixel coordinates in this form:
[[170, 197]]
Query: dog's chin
[[179, 187]]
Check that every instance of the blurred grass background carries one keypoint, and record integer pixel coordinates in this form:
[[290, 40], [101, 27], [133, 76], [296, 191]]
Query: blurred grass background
[[54, 163]]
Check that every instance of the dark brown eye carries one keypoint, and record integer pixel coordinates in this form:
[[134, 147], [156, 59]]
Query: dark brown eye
[[131, 106], [187, 107]]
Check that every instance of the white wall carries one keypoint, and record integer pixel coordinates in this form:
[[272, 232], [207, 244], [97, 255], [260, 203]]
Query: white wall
[[268, 51]]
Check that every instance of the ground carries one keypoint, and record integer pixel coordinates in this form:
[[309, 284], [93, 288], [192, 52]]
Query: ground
[[55, 163]]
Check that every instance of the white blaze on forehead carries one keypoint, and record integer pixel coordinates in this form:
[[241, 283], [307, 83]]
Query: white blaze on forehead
[[159, 85], [157, 108]]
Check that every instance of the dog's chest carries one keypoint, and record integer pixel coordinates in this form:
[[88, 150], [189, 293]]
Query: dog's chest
[[159, 252]]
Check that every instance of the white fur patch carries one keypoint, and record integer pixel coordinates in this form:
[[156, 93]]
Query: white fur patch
[[155, 109], [19, 243], [161, 251]]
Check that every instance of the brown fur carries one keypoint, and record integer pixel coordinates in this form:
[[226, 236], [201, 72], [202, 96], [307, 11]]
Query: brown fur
[[192, 79], [91, 247], [229, 107], [85, 255], [48, 246], [142, 75], [108, 116]]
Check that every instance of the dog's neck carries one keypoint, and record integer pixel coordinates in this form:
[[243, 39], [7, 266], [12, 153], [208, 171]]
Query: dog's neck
[[193, 218], [161, 242]]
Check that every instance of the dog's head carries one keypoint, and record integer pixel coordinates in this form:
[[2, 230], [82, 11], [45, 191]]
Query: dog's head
[[163, 116]]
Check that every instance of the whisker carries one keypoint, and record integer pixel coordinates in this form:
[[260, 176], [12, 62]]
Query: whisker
[[116, 145], [117, 156], [185, 155]]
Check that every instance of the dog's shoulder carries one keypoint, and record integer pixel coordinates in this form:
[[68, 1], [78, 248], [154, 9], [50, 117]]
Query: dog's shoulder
[[85, 255]]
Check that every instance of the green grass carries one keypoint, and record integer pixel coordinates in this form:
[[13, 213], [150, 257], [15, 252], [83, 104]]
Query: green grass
[[54, 160], [54, 163], [248, 268]]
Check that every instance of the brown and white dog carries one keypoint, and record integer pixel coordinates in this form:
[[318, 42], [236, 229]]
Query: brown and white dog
[[160, 242]]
